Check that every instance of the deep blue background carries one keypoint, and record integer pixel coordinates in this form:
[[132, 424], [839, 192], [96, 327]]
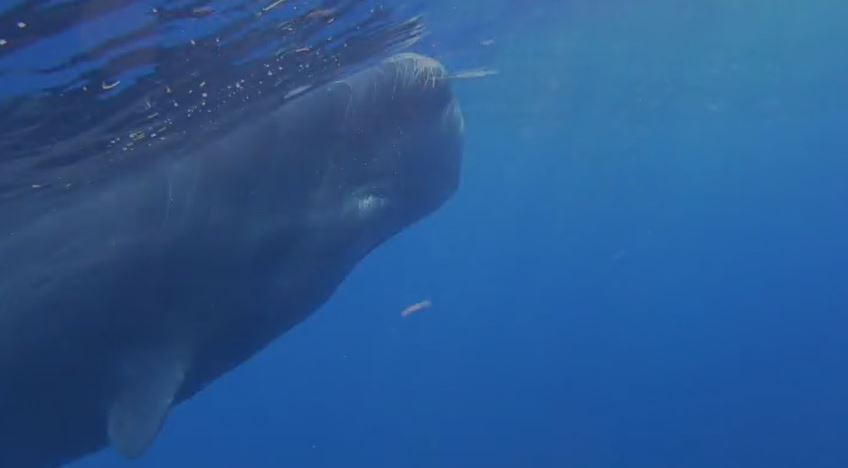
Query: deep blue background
[[645, 265]]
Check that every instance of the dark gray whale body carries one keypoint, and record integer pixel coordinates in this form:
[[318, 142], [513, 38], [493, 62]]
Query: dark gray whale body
[[142, 292]]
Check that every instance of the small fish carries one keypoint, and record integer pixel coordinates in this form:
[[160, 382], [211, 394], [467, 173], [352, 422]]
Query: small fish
[[417, 307]]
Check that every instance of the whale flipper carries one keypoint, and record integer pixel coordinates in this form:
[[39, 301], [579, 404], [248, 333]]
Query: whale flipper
[[151, 382]]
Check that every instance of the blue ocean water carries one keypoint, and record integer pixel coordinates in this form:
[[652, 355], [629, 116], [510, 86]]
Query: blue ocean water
[[645, 265]]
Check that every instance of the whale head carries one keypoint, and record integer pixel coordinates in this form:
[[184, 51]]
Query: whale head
[[403, 136], [361, 158]]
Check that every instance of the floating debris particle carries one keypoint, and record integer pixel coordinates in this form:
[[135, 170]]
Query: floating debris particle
[[471, 74], [487, 42], [3, 42], [296, 91], [417, 307], [36, 186], [302, 49], [200, 12], [108, 86], [272, 5], [21, 24], [321, 14]]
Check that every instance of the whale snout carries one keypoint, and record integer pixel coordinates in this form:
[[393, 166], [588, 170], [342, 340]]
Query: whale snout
[[385, 148], [423, 131]]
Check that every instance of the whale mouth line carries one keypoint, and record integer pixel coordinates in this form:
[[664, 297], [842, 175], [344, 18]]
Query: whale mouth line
[[382, 191], [366, 205]]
